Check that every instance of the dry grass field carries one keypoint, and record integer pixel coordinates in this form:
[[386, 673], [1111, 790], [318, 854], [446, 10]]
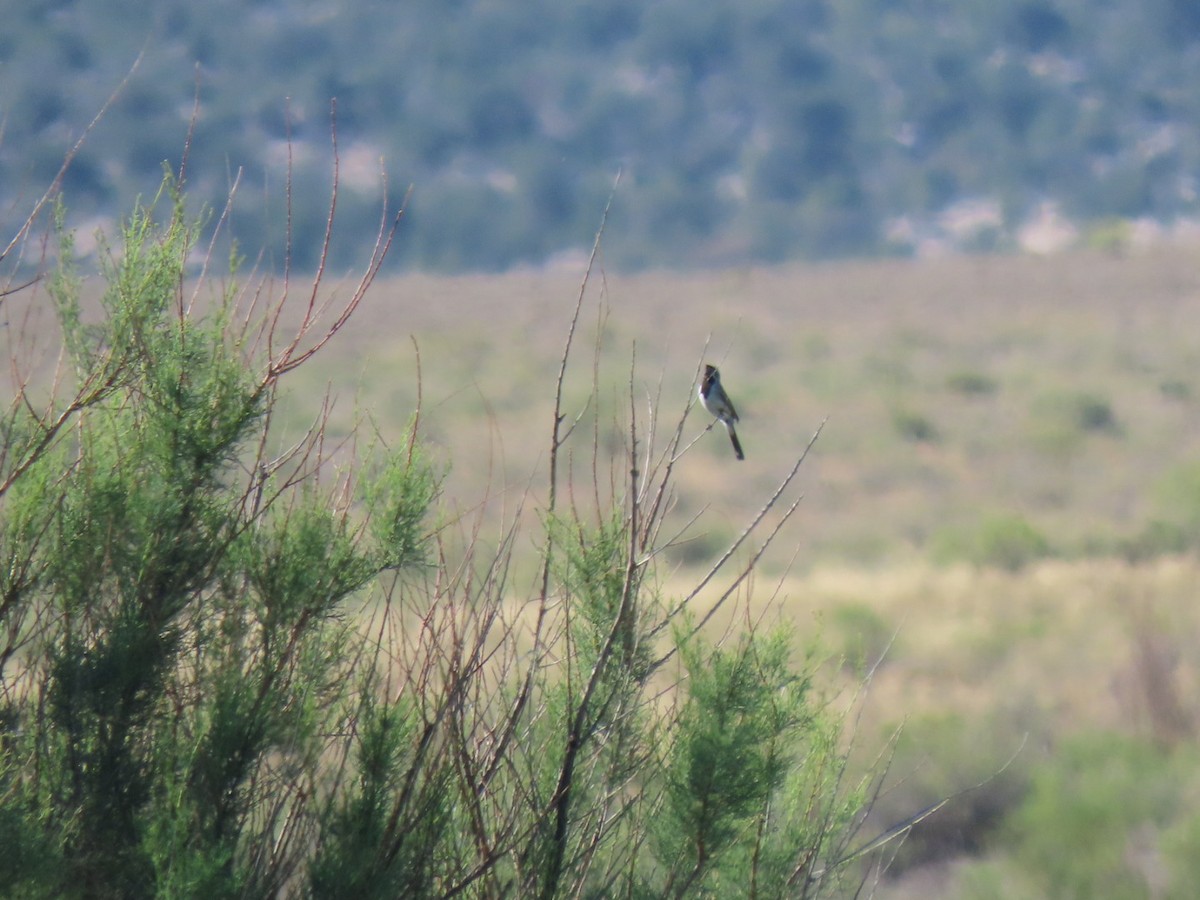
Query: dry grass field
[[1065, 390], [1011, 451]]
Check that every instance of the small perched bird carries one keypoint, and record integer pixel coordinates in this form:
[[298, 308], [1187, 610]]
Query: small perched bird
[[717, 402]]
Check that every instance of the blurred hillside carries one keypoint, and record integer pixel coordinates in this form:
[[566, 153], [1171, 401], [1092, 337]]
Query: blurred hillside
[[755, 130]]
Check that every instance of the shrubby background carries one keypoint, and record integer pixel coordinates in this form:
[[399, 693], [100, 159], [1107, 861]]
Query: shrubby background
[[747, 131]]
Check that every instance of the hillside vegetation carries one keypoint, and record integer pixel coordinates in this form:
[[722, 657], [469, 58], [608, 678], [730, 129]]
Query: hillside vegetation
[[747, 130]]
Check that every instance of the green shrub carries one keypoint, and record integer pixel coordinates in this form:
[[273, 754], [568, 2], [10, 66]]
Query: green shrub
[[226, 673], [744, 723], [1010, 542], [914, 426], [1175, 389], [1181, 850], [971, 383], [1061, 421], [1101, 811], [1157, 538], [1004, 540], [1094, 413]]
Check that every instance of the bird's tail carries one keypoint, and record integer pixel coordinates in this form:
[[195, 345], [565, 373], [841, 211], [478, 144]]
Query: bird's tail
[[733, 438]]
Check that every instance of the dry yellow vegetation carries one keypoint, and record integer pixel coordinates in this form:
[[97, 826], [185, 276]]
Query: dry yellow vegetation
[[1060, 389], [1011, 446]]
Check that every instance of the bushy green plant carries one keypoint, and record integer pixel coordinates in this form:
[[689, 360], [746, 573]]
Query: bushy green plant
[[1003, 540], [747, 779], [177, 613], [743, 718], [970, 382], [1157, 537], [1101, 814], [1176, 389], [1060, 421], [225, 673], [914, 426]]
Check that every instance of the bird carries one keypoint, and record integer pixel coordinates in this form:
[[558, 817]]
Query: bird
[[717, 402]]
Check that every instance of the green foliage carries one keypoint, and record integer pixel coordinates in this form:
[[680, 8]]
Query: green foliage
[[1004, 540], [1181, 848], [594, 572], [397, 497], [1095, 816], [351, 860], [971, 383], [179, 637], [1157, 537], [32, 859], [760, 131], [304, 566], [140, 524], [748, 775], [914, 426], [223, 676], [1061, 421], [727, 760], [1094, 413]]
